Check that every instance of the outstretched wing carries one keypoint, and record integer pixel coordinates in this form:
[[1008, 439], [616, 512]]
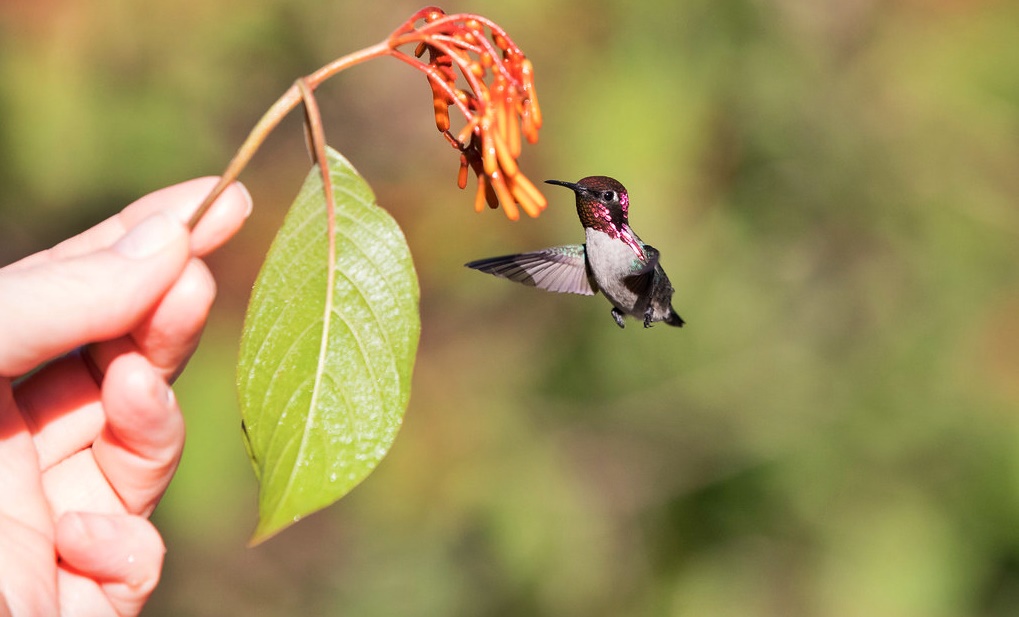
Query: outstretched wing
[[562, 269]]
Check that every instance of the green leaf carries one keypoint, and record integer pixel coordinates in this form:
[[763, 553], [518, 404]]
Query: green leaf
[[324, 380]]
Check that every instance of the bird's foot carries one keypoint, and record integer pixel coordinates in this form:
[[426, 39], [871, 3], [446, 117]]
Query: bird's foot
[[618, 316]]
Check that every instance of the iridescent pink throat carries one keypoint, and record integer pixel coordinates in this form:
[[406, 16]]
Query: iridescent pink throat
[[631, 241], [601, 219]]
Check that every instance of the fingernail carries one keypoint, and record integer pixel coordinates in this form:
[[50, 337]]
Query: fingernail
[[148, 237], [248, 202], [96, 528]]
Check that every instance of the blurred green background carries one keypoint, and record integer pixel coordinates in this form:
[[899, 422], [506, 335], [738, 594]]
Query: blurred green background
[[835, 190]]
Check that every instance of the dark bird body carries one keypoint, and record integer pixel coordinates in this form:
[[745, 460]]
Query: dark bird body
[[614, 260]]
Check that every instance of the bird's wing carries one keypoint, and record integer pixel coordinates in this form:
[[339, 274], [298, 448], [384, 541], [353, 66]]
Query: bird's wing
[[642, 279], [562, 269]]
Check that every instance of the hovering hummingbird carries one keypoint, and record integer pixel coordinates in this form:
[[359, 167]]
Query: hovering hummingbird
[[613, 260]]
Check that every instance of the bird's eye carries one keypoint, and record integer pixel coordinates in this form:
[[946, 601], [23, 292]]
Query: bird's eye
[[609, 195]]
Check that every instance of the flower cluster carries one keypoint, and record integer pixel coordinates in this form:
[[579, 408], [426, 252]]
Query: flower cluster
[[499, 101]]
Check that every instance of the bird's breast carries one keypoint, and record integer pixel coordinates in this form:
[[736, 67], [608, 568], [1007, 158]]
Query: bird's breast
[[610, 255], [611, 260]]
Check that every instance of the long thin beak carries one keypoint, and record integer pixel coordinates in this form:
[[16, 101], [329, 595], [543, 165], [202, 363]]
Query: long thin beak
[[570, 185]]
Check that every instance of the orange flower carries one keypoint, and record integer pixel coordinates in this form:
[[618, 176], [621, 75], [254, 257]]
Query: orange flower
[[498, 101]]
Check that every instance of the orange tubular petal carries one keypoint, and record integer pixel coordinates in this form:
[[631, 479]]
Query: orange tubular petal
[[441, 115], [464, 135], [481, 197], [522, 185], [527, 73], [501, 117], [512, 135], [498, 96], [440, 103], [509, 204], [535, 109], [511, 210], [530, 92], [507, 117], [499, 103], [489, 154], [490, 197], [506, 160], [512, 214], [525, 202], [527, 126], [461, 176]]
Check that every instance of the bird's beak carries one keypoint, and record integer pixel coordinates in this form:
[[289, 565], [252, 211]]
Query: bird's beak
[[570, 185]]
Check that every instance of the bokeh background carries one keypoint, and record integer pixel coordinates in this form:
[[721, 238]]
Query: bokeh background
[[834, 187]]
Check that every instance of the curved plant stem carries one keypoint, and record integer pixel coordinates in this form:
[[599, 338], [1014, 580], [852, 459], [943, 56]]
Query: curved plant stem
[[317, 145], [283, 106], [489, 142]]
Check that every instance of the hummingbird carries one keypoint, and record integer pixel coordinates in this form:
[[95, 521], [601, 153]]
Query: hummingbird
[[614, 260]]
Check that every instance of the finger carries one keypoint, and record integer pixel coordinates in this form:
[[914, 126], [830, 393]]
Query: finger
[[76, 484], [60, 305], [138, 450], [169, 337], [20, 485], [115, 557], [27, 570], [170, 334], [218, 224], [179, 201], [61, 402], [61, 406]]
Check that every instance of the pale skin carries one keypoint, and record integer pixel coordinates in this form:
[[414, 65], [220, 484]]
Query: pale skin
[[90, 440]]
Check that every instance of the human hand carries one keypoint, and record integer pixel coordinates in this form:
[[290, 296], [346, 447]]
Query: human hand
[[90, 439]]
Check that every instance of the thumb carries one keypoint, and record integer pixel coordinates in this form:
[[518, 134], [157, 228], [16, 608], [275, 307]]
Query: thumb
[[58, 305]]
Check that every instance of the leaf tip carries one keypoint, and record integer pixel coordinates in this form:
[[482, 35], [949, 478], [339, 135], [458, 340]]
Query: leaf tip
[[268, 528]]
